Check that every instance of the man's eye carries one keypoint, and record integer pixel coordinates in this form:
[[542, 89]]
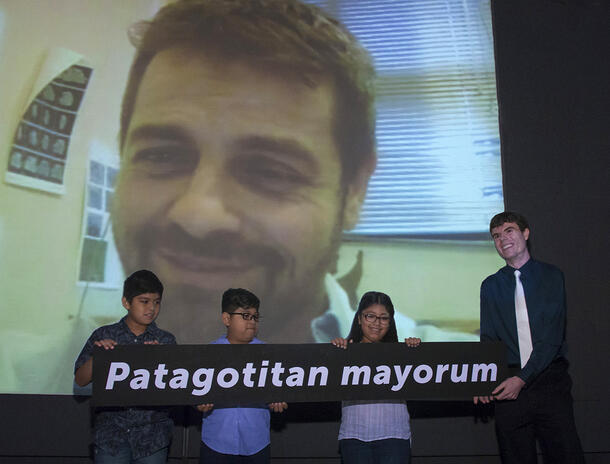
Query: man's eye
[[161, 161], [270, 177], [280, 174]]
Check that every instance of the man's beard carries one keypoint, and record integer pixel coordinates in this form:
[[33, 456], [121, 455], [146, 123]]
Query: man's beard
[[192, 313]]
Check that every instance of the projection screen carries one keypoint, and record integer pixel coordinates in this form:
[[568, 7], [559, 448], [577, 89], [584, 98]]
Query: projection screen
[[229, 175]]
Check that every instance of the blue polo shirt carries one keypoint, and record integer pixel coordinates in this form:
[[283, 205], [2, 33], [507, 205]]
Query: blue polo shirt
[[238, 431]]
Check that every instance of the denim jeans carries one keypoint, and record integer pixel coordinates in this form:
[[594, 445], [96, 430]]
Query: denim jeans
[[208, 456], [389, 451], [124, 456]]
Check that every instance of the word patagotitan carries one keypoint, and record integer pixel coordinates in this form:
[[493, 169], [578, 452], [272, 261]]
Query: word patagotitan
[[202, 380]]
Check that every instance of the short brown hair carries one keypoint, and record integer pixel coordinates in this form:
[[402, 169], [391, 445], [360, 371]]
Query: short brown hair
[[281, 34], [508, 216]]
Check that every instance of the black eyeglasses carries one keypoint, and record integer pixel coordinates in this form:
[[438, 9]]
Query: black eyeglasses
[[247, 316], [370, 317]]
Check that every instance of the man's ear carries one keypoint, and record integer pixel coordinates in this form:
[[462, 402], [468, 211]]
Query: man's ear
[[526, 233], [355, 193], [125, 303]]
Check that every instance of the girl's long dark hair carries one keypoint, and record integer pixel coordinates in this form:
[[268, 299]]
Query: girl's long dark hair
[[367, 300]]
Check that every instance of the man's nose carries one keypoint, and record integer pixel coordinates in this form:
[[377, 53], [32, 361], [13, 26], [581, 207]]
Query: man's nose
[[206, 204]]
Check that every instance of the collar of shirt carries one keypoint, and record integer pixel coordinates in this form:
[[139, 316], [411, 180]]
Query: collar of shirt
[[151, 328], [223, 340], [526, 269], [530, 272]]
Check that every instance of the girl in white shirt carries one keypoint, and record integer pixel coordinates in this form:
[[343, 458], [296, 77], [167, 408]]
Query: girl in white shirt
[[374, 431]]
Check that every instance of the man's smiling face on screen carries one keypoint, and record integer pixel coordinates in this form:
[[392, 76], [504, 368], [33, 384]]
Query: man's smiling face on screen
[[231, 177]]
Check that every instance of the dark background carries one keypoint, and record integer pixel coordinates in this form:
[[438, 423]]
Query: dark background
[[552, 72]]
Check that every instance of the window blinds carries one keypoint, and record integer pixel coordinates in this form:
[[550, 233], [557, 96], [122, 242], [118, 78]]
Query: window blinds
[[438, 172]]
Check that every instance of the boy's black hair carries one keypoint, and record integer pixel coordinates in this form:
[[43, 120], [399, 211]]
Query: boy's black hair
[[142, 281], [234, 298], [369, 299], [508, 216]]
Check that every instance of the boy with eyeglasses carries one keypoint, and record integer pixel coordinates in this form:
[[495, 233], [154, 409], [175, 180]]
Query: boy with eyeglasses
[[239, 434]]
